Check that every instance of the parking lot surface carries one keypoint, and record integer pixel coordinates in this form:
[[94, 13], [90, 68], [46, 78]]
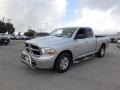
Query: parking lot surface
[[93, 74]]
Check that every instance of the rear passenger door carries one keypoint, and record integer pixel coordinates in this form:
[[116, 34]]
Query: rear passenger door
[[90, 41], [80, 42]]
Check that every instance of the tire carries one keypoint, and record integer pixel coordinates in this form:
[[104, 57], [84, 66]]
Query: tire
[[6, 43], [101, 52], [63, 62]]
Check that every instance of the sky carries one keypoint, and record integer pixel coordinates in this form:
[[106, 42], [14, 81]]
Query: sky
[[45, 15]]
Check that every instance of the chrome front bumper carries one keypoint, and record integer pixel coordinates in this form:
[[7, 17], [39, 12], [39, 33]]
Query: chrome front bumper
[[43, 62]]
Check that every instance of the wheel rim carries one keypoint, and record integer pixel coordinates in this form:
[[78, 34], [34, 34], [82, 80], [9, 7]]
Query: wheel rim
[[102, 51], [64, 63]]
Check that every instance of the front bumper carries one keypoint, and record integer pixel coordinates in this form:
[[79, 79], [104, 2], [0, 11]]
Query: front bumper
[[43, 62]]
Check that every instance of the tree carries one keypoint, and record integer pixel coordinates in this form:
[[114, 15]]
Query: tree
[[6, 27], [2, 27], [30, 33], [10, 28]]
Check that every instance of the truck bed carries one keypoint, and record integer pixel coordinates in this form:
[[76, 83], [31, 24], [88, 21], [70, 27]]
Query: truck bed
[[101, 39]]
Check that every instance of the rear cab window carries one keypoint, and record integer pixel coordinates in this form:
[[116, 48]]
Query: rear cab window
[[89, 33]]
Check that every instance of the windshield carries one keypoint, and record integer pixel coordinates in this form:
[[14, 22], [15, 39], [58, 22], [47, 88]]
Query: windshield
[[64, 32]]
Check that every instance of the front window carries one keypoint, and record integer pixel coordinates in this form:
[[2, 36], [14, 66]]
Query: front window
[[63, 32]]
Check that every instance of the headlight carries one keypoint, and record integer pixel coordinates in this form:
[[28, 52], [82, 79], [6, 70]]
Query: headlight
[[48, 51]]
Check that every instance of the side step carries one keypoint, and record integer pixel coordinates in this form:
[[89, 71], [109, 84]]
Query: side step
[[83, 59]]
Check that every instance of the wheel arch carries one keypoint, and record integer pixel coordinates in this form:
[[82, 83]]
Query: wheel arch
[[103, 44], [65, 51]]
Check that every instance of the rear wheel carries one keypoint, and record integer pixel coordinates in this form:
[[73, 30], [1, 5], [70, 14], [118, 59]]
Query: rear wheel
[[63, 62], [101, 52]]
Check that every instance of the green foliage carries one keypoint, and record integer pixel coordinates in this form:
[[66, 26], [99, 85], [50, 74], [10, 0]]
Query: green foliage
[[30, 33], [2, 27], [6, 27], [10, 28]]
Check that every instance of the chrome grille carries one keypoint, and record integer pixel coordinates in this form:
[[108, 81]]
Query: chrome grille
[[33, 49]]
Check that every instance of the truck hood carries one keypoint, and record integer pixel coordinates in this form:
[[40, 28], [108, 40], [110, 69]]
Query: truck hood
[[49, 41]]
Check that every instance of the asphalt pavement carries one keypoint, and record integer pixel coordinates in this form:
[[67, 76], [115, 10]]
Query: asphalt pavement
[[93, 74]]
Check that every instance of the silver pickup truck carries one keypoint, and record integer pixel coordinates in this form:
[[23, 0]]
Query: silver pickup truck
[[63, 47]]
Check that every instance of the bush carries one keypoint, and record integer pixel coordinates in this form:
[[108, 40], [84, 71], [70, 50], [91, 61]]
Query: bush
[[30, 33]]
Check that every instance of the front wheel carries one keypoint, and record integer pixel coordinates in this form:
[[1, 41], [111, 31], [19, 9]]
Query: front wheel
[[101, 52], [63, 62]]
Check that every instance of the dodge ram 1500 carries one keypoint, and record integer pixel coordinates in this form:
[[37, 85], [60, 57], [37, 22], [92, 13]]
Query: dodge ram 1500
[[63, 47]]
